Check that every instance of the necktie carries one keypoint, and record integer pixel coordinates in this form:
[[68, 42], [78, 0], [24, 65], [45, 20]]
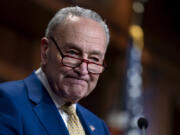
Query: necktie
[[73, 123]]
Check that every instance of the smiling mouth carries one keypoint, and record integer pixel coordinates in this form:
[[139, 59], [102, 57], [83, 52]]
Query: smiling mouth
[[76, 80]]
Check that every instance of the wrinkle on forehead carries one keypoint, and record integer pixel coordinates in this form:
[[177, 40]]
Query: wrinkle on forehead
[[86, 36], [83, 32], [72, 23]]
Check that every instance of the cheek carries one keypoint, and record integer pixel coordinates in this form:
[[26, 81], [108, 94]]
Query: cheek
[[59, 78], [94, 81], [62, 72], [56, 69]]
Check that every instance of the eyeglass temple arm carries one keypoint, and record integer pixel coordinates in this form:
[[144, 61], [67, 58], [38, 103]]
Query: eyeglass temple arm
[[56, 46]]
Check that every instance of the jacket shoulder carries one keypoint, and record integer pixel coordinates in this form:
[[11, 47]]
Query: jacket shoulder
[[12, 87]]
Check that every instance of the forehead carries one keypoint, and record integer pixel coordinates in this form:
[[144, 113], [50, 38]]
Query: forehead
[[83, 33]]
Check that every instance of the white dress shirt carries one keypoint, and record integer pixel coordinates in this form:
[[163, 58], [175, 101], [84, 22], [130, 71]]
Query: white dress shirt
[[56, 99]]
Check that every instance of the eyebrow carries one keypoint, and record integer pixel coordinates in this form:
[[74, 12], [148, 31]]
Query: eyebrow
[[74, 46]]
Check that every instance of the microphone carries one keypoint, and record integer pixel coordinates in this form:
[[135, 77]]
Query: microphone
[[143, 125]]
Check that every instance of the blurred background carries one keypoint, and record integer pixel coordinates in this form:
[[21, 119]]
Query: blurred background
[[143, 73]]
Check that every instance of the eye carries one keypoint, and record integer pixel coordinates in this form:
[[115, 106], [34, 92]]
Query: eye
[[72, 52], [95, 59]]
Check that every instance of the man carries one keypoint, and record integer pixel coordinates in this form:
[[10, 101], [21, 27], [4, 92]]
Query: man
[[72, 58]]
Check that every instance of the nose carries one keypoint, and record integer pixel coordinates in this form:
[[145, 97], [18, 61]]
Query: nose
[[82, 69]]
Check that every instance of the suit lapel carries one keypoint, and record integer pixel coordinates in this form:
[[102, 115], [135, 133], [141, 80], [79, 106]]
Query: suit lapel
[[45, 109], [50, 119], [87, 125]]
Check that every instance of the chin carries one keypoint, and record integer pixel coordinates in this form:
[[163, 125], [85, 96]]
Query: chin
[[76, 95]]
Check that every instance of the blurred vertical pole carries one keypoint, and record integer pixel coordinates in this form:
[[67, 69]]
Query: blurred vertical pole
[[133, 105]]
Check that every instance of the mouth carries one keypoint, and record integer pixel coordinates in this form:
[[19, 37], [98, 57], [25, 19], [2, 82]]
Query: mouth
[[76, 79]]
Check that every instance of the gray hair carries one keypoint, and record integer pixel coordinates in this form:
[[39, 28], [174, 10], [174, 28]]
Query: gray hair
[[61, 15]]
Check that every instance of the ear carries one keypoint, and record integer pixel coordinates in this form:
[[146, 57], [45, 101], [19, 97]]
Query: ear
[[44, 50]]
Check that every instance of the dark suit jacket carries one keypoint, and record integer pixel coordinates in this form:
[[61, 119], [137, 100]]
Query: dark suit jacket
[[27, 109]]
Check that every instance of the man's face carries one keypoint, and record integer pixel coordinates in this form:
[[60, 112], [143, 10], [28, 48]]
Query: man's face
[[77, 37]]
